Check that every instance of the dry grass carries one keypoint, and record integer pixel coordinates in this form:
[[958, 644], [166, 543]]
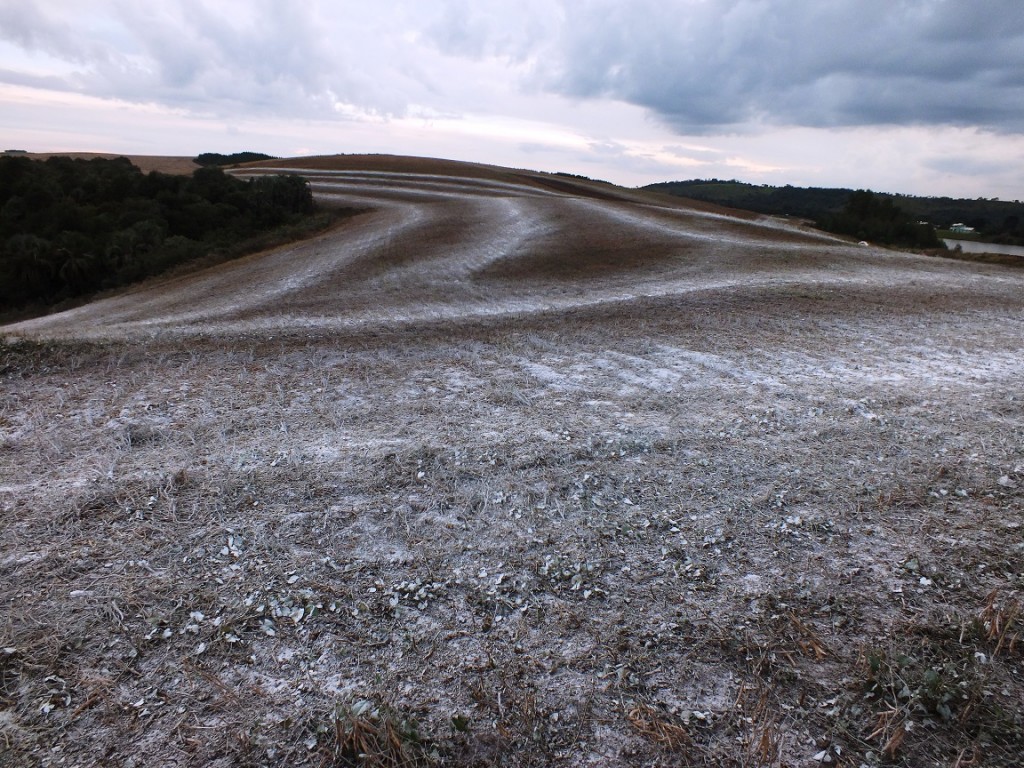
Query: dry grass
[[770, 523]]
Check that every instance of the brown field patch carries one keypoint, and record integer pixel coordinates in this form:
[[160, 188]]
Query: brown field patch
[[162, 163]]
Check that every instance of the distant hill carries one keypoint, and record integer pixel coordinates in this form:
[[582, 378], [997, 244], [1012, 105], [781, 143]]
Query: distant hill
[[995, 221]]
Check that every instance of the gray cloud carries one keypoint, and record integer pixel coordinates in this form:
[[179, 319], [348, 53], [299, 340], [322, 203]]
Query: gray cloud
[[32, 28], [697, 154], [43, 82], [707, 65], [259, 58], [700, 66], [966, 165], [295, 60], [513, 29]]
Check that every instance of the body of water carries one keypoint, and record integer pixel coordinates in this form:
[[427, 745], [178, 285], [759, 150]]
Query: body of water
[[970, 246]]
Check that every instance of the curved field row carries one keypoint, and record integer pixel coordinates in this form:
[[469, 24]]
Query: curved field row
[[468, 241]]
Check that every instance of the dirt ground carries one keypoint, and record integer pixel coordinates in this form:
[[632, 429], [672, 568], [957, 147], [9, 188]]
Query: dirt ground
[[163, 164], [513, 469]]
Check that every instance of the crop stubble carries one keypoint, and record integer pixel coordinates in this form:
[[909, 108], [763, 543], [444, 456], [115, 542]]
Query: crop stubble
[[507, 471]]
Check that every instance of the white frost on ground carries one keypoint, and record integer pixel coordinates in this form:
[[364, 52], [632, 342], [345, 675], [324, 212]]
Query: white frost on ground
[[704, 509]]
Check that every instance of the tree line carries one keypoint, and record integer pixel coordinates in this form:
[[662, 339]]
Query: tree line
[[996, 221], [72, 227], [877, 219], [216, 158]]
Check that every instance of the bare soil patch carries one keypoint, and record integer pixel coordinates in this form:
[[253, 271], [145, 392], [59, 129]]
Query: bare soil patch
[[163, 163], [755, 498]]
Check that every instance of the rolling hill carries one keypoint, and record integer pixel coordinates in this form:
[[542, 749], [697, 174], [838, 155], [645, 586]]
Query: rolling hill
[[515, 468]]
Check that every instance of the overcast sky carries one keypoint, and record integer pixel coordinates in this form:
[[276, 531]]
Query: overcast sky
[[915, 96]]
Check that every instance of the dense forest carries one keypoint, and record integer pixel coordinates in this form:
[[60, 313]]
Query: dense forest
[[995, 221], [70, 228], [877, 219]]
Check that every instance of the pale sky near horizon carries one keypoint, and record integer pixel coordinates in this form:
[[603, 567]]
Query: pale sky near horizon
[[912, 96]]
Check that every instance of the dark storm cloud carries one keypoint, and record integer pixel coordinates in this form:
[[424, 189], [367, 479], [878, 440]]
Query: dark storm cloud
[[719, 63]]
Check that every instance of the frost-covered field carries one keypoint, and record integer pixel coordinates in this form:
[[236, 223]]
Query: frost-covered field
[[524, 471]]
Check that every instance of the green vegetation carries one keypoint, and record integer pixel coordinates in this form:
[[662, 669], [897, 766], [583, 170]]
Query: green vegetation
[[580, 177], [867, 216], [70, 228], [776, 201], [995, 221], [215, 158]]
